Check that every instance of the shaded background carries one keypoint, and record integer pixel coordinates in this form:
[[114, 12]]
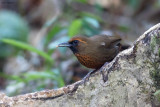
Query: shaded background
[[30, 30]]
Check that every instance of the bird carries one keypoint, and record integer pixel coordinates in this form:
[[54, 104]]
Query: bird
[[93, 52]]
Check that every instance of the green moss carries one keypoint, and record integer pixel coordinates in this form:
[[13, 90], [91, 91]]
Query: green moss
[[155, 74], [93, 87], [155, 40], [153, 43], [157, 95]]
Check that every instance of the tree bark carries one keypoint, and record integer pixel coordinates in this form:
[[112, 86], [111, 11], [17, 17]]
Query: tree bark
[[133, 78]]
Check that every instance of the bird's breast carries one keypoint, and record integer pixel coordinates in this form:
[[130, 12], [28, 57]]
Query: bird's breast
[[88, 61]]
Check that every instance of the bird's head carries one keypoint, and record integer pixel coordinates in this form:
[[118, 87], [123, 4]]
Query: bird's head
[[76, 44]]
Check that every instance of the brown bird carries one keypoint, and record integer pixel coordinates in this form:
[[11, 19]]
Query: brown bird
[[94, 51]]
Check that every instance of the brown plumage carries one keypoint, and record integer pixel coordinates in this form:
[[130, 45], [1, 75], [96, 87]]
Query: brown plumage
[[94, 51]]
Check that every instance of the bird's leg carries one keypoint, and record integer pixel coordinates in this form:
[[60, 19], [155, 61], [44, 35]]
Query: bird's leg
[[104, 77], [88, 75]]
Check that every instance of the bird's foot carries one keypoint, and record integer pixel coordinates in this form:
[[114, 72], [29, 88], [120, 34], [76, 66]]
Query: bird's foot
[[86, 78], [105, 77]]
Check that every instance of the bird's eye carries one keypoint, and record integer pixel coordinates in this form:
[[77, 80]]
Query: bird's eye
[[75, 41]]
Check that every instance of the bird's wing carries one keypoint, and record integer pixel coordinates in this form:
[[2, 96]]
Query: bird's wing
[[106, 41], [100, 41]]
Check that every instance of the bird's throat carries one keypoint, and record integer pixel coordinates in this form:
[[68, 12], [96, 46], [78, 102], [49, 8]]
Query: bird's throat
[[74, 50]]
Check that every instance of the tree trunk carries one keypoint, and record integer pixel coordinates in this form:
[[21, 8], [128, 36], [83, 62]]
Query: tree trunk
[[133, 78]]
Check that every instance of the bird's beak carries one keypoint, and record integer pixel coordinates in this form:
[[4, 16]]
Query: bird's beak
[[64, 45]]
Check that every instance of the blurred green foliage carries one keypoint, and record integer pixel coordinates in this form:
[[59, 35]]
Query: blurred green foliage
[[28, 47], [28, 77], [14, 33]]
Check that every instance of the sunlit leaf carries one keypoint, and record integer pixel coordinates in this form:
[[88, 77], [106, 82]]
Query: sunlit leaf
[[75, 27]]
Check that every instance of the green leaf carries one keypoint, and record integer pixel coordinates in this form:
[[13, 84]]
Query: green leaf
[[92, 21], [27, 47], [11, 77], [75, 27], [54, 75], [29, 76], [12, 26], [157, 92], [90, 26]]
